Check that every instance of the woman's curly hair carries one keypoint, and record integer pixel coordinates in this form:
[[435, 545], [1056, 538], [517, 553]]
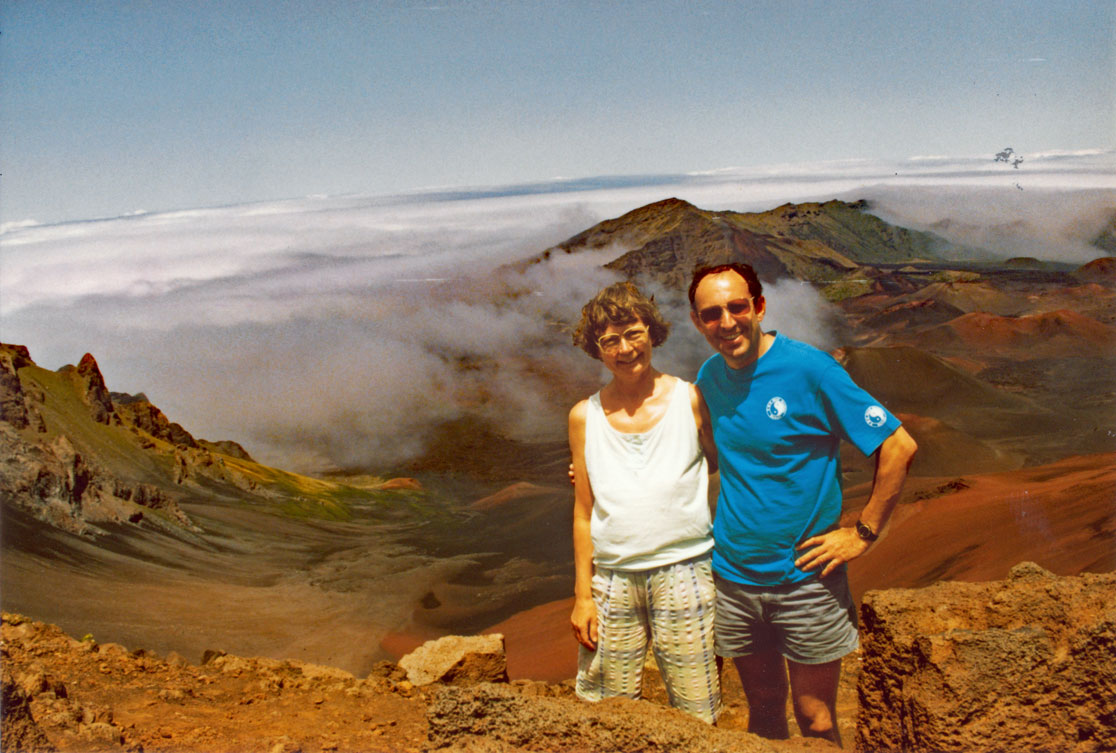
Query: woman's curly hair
[[619, 304]]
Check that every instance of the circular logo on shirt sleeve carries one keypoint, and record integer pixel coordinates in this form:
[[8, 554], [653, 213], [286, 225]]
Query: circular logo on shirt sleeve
[[875, 416], [776, 408]]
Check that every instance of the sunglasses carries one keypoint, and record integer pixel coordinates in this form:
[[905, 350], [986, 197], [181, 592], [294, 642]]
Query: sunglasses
[[712, 314]]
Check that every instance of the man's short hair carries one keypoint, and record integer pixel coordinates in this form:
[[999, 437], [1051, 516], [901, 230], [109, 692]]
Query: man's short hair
[[755, 287], [620, 303]]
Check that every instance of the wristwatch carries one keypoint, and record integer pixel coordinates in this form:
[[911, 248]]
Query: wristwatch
[[864, 531]]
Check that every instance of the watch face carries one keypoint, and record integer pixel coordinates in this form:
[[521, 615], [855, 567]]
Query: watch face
[[865, 532]]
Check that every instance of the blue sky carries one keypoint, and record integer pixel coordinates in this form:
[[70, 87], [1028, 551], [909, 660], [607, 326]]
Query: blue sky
[[107, 108], [274, 183]]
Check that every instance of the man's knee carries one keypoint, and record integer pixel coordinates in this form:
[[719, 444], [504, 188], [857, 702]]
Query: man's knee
[[820, 724], [814, 716], [814, 696]]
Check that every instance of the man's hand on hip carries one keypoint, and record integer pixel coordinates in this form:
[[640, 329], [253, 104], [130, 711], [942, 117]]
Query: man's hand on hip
[[831, 550]]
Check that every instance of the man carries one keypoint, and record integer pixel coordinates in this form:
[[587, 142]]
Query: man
[[779, 409]]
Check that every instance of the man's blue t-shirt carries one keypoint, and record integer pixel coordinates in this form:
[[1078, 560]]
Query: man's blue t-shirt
[[777, 424]]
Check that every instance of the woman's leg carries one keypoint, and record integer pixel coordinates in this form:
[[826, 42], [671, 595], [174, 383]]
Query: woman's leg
[[616, 667], [681, 602]]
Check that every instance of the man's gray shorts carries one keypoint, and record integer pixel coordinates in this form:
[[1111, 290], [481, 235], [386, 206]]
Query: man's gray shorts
[[810, 623]]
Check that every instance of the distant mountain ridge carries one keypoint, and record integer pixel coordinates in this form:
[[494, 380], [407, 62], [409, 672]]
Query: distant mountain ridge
[[816, 242]]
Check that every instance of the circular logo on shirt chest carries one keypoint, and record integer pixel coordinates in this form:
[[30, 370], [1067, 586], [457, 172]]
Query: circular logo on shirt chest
[[776, 408]]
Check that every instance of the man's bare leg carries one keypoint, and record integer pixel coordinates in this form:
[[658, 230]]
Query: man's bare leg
[[814, 692], [764, 677]]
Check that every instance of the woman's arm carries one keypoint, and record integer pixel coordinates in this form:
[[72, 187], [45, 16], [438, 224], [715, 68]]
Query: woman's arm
[[584, 616]]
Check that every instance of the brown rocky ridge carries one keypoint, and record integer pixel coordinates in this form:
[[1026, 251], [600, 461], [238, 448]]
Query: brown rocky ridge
[[81, 696], [1022, 664]]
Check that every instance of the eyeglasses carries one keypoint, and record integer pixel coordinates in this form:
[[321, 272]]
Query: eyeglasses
[[611, 343], [711, 314]]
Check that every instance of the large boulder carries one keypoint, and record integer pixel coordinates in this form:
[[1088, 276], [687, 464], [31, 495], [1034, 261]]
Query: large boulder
[[456, 659], [1021, 664]]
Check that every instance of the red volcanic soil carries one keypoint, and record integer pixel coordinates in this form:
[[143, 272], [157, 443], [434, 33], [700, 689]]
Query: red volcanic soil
[[517, 491], [975, 528], [539, 642], [1052, 334], [1103, 268], [943, 449]]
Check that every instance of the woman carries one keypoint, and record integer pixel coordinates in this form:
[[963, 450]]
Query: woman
[[642, 535]]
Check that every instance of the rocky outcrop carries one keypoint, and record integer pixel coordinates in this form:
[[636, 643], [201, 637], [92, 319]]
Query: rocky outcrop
[[59, 485], [19, 732], [226, 447], [502, 719], [458, 660], [138, 411], [15, 406], [61, 475], [78, 694], [91, 387], [41, 701], [1021, 664]]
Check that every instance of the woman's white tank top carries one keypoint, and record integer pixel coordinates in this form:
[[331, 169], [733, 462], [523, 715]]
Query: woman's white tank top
[[650, 505]]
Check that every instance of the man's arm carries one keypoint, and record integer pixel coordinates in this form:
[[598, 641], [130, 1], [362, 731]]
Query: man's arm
[[704, 427], [708, 446], [584, 616], [893, 460]]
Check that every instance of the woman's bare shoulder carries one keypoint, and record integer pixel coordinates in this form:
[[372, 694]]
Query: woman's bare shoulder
[[579, 411]]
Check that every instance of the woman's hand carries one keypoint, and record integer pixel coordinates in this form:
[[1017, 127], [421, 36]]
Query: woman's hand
[[584, 622]]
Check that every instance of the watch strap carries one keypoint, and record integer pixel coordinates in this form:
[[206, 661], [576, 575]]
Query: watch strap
[[864, 531]]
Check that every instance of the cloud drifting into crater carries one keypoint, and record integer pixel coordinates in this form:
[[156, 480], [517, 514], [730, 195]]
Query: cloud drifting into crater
[[334, 331]]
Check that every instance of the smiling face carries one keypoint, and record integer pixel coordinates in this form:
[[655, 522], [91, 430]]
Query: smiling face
[[729, 318], [626, 348]]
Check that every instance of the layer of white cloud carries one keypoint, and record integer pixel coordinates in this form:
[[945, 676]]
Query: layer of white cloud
[[325, 331]]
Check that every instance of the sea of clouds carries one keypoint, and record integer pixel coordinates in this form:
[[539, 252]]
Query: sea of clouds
[[329, 331]]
